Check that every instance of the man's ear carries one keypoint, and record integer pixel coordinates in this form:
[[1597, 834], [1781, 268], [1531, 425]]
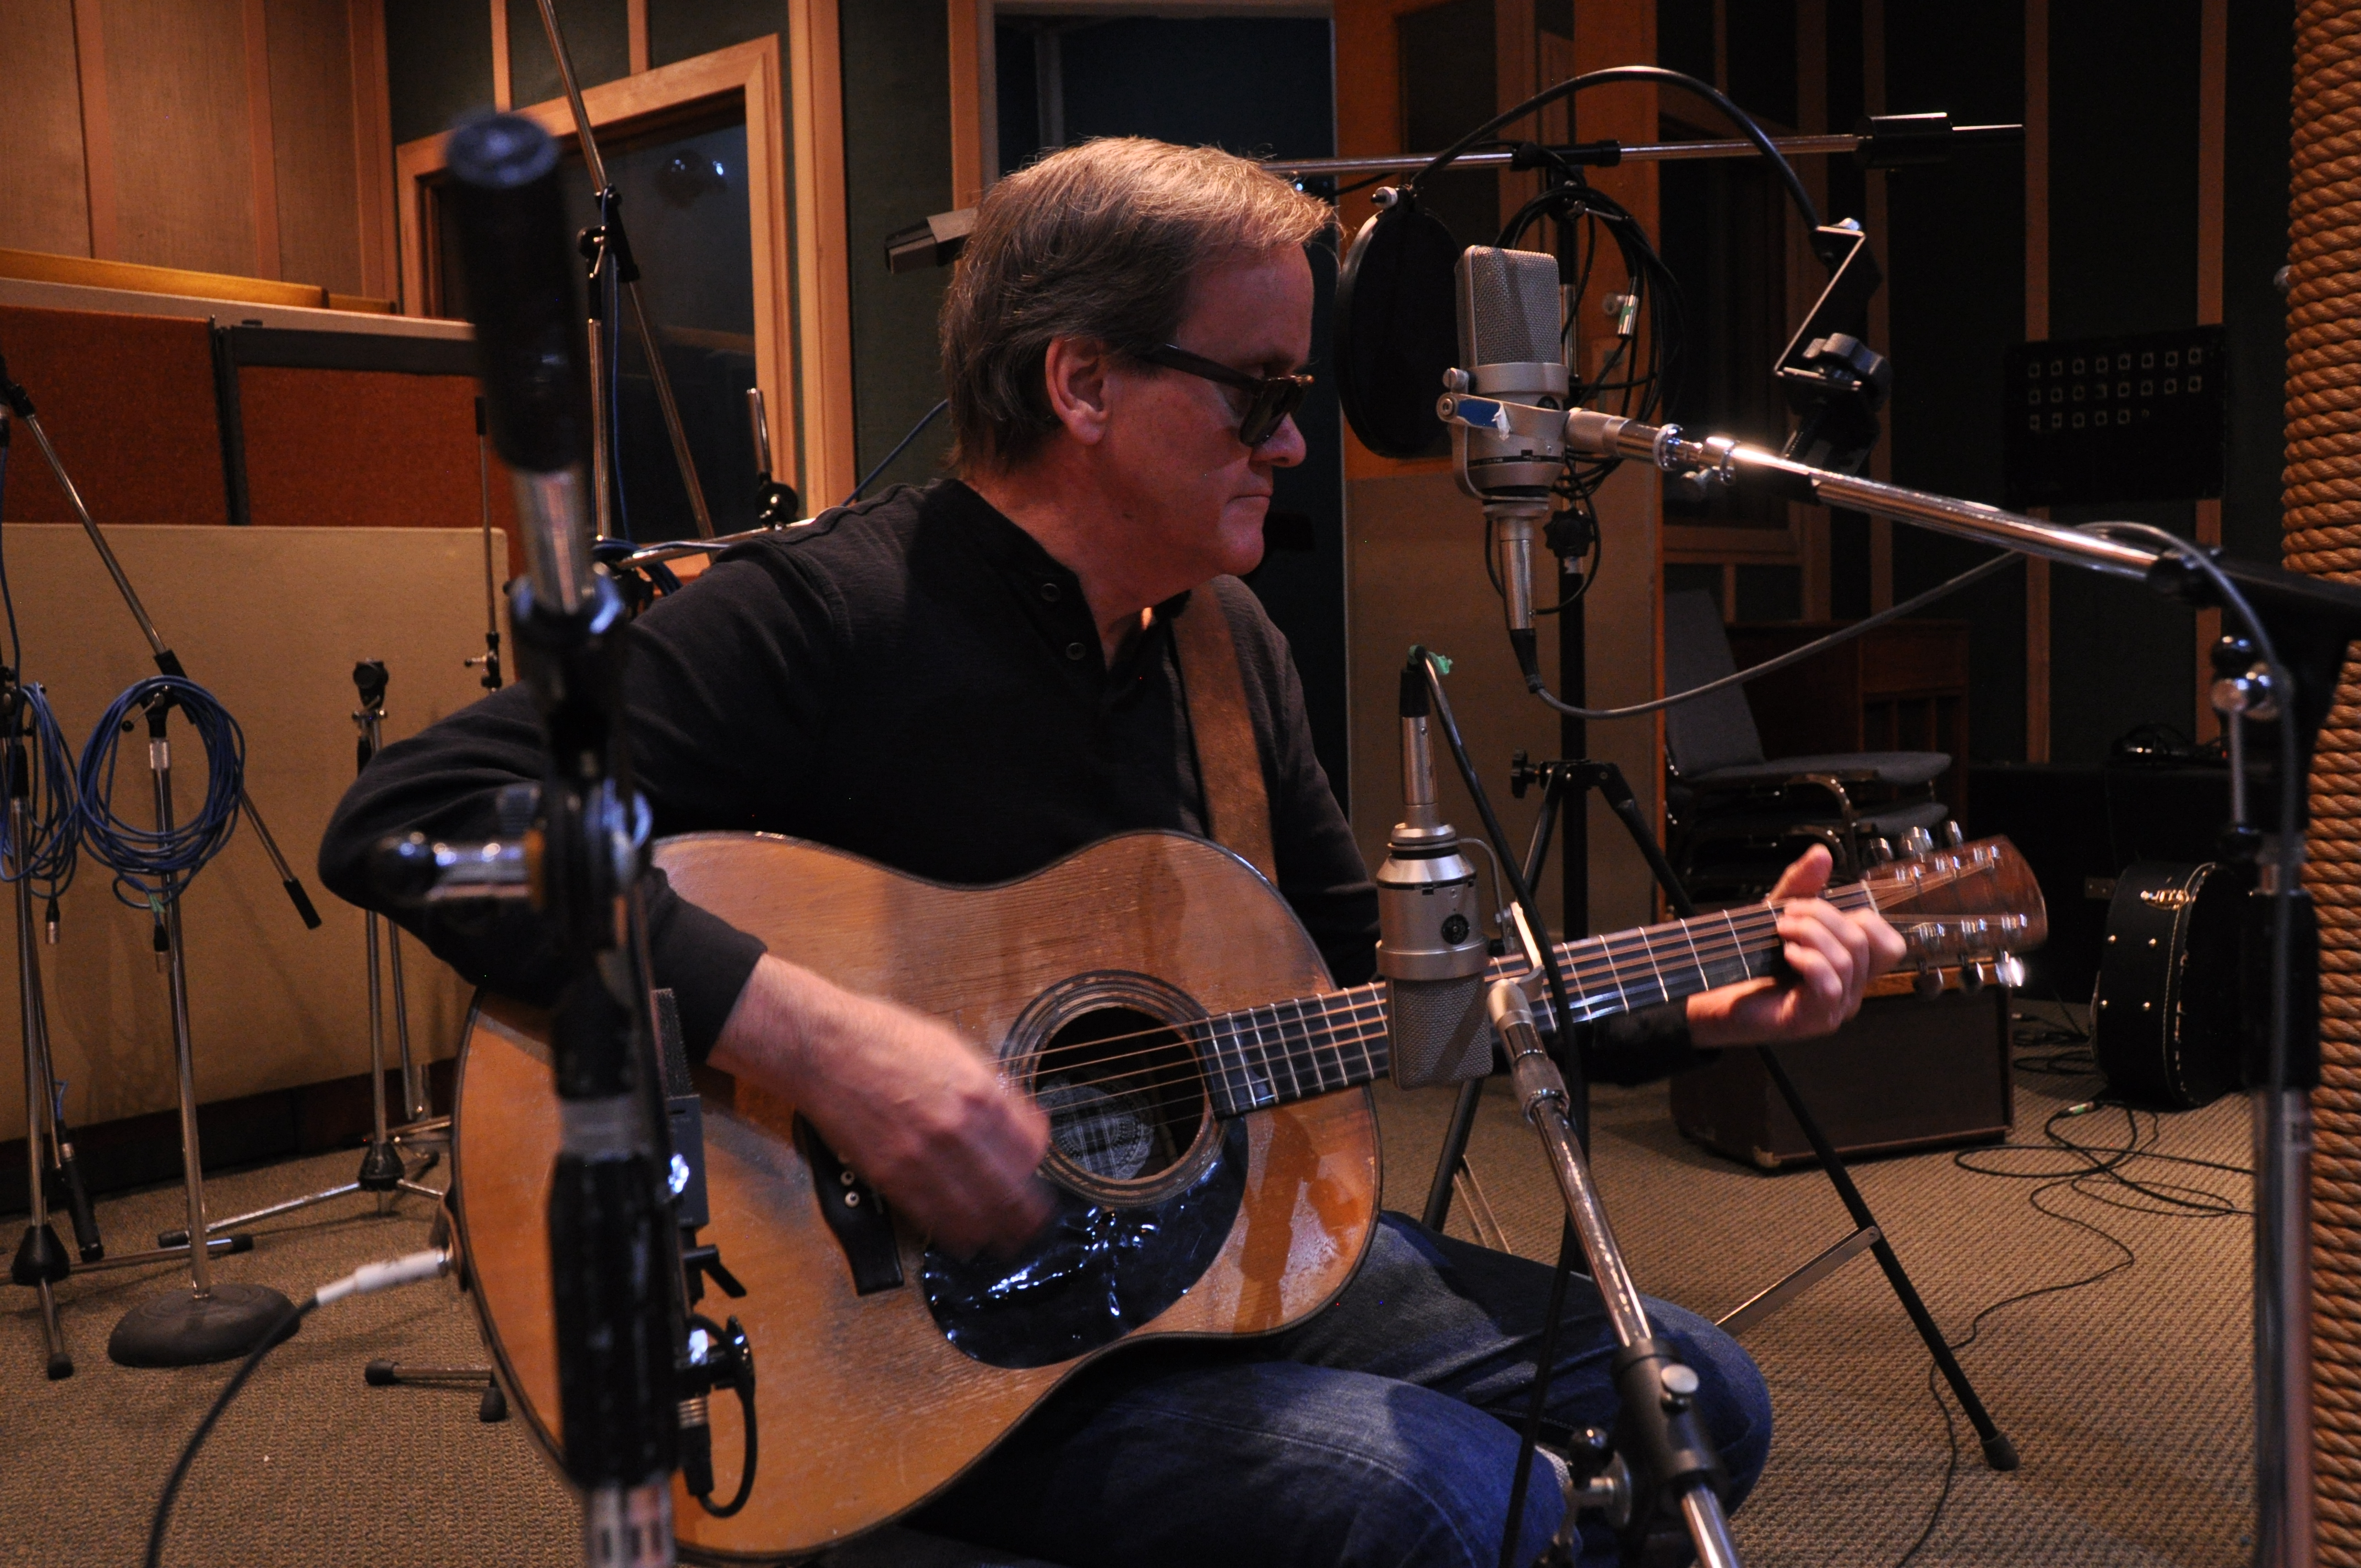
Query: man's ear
[[1076, 372]]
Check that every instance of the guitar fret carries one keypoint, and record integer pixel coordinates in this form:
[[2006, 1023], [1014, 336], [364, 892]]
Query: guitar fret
[[1615, 974], [1236, 1074], [1370, 1070], [1323, 1042], [1294, 1081], [1648, 948], [1704, 981], [1299, 1045], [1737, 948]]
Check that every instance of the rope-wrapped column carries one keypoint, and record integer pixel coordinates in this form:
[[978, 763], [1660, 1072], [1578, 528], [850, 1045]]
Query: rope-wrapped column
[[2324, 536]]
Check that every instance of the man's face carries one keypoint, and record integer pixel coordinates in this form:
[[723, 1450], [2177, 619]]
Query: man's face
[[1193, 495]]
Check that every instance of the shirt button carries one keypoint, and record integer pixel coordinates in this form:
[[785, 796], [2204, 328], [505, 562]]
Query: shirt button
[[1073, 649], [1049, 594]]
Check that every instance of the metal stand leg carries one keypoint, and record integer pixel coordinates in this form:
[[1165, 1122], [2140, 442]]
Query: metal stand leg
[[209, 1321], [382, 1173], [1999, 1452], [1558, 777], [40, 1261], [414, 1106]]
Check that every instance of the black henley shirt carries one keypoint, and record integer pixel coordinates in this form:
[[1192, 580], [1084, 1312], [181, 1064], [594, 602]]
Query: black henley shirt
[[914, 680]]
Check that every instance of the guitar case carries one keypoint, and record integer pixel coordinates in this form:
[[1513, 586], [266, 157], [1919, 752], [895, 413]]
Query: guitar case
[[2164, 1024]]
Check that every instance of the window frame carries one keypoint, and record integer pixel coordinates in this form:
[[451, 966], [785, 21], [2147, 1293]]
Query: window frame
[[803, 334]]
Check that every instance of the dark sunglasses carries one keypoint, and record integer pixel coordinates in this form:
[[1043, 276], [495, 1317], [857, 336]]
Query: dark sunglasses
[[1269, 399]]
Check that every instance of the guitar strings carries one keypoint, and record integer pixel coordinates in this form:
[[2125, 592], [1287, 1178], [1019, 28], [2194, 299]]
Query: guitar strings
[[1718, 948], [1613, 958]]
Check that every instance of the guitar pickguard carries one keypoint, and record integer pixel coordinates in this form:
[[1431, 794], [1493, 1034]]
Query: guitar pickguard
[[1097, 1273]]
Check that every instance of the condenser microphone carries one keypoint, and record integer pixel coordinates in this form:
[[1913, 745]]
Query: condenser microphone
[[1511, 348], [517, 254], [1433, 951]]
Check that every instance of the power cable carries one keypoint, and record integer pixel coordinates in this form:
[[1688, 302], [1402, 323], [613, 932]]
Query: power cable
[[365, 1280], [2088, 1170]]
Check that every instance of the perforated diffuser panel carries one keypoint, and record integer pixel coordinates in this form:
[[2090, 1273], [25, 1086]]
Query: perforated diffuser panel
[[1508, 306], [1441, 1033]]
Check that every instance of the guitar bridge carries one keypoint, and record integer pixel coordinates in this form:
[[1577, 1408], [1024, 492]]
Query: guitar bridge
[[855, 1215]]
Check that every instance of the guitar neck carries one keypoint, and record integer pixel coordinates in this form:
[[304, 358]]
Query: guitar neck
[[1286, 1051]]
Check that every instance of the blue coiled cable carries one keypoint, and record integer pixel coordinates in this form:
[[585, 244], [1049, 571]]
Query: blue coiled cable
[[50, 854], [53, 818], [141, 857]]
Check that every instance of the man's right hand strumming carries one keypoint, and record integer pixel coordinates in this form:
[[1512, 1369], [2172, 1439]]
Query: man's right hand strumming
[[915, 1109]]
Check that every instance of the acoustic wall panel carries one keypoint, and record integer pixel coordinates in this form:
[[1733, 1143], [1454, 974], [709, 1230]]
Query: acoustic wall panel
[[272, 622], [128, 400]]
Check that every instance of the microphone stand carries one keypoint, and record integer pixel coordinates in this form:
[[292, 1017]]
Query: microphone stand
[[210, 1322], [635, 1366], [614, 279], [1664, 1462], [2285, 678]]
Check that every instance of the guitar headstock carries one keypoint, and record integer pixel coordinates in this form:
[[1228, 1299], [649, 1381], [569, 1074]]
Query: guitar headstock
[[1963, 903]]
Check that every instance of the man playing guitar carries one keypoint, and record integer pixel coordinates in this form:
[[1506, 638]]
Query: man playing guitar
[[968, 681]]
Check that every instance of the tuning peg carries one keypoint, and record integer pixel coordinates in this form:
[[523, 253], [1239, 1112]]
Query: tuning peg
[[1917, 842], [1972, 976], [1927, 983], [2010, 971], [1953, 834], [1880, 851]]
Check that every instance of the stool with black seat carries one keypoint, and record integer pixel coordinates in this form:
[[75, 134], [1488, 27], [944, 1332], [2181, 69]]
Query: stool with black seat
[[1737, 816]]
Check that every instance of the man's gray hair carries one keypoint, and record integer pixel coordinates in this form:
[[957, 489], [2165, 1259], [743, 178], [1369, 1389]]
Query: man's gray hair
[[1098, 241]]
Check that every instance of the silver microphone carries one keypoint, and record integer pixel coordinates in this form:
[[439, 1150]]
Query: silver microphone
[[1433, 951], [1511, 348]]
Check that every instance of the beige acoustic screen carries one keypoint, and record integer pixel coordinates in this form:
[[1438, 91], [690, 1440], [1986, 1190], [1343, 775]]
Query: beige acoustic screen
[[272, 622]]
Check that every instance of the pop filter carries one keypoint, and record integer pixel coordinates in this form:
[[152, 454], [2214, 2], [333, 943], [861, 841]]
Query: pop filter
[[1397, 329]]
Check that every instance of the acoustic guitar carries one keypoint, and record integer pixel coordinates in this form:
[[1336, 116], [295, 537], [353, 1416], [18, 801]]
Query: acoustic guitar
[[1214, 1153]]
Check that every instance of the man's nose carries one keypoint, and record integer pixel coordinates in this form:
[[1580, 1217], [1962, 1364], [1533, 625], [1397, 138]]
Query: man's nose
[[1285, 447]]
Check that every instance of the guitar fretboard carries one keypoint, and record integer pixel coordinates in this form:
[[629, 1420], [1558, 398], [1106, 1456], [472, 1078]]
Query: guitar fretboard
[[1286, 1051]]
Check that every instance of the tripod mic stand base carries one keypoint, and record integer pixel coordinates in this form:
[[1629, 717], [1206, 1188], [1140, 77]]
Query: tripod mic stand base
[[184, 1328]]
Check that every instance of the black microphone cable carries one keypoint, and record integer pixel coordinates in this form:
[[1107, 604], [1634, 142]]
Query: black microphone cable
[[364, 1281], [899, 447]]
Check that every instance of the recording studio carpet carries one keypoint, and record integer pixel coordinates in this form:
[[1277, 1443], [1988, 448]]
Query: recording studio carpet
[[2127, 1397]]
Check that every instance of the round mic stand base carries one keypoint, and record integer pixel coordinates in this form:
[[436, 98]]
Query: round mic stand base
[[185, 1328]]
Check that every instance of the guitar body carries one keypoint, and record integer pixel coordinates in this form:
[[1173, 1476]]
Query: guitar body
[[867, 1405]]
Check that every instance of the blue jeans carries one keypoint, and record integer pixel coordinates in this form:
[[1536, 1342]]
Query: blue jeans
[[1382, 1431]]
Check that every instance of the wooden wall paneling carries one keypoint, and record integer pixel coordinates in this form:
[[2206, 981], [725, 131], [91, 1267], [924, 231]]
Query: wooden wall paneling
[[337, 448], [1881, 305], [503, 74], [1623, 640], [272, 1004], [86, 370], [44, 190], [1369, 124], [178, 106], [974, 111], [315, 121], [1809, 524], [97, 130], [380, 260], [263, 172], [1414, 573], [823, 292], [1516, 76], [2037, 327], [2212, 93], [802, 327]]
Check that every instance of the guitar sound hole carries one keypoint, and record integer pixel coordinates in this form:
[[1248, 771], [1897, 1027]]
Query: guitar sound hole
[[1123, 1095]]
